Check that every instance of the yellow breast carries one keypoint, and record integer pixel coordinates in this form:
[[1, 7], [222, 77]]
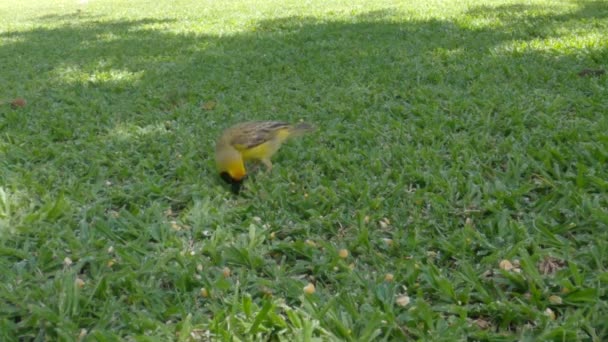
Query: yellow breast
[[267, 149]]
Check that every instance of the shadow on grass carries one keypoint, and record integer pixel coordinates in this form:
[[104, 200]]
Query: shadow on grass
[[590, 9], [74, 16], [99, 75], [114, 124]]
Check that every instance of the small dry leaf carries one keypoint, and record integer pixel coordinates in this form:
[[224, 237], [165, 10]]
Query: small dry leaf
[[555, 300], [82, 334], [226, 272], [343, 253], [266, 291], [384, 223], [200, 335], [175, 226], [79, 283], [389, 277], [309, 289], [549, 265], [550, 314], [505, 265], [204, 293], [402, 300], [18, 103], [516, 266], [482, 323], [209, 105]]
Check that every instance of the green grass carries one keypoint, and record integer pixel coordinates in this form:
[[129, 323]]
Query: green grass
[[452, 136]]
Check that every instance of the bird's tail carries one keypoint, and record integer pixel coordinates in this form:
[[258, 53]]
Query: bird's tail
[[301, 129]]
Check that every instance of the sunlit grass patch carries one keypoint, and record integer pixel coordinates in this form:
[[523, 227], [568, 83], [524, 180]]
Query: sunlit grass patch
[[99, 75]]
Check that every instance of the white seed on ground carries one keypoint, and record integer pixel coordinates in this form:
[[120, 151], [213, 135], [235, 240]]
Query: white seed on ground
[[505, 265], [343, 253], [555, 299], [67, 261], [402, 300], [309, 289]]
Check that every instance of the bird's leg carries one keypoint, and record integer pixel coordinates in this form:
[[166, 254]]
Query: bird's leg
[[268, 164]]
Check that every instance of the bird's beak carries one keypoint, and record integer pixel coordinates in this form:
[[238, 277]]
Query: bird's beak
[[234, 183]]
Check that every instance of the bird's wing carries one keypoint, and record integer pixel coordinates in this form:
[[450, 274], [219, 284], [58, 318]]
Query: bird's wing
[[252, 134]]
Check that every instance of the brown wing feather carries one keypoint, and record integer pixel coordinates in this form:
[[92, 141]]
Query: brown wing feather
[[252, 134]]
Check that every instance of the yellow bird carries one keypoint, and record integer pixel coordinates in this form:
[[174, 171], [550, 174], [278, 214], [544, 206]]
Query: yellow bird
[[255, 141]]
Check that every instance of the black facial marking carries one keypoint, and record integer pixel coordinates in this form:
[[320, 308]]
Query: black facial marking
[[235, 185], [226, 177]]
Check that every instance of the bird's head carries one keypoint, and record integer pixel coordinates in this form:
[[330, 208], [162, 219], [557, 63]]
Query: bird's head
[[235, 184], [231, 167]]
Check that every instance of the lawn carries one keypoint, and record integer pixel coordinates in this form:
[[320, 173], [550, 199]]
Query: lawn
[[456, 187]]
